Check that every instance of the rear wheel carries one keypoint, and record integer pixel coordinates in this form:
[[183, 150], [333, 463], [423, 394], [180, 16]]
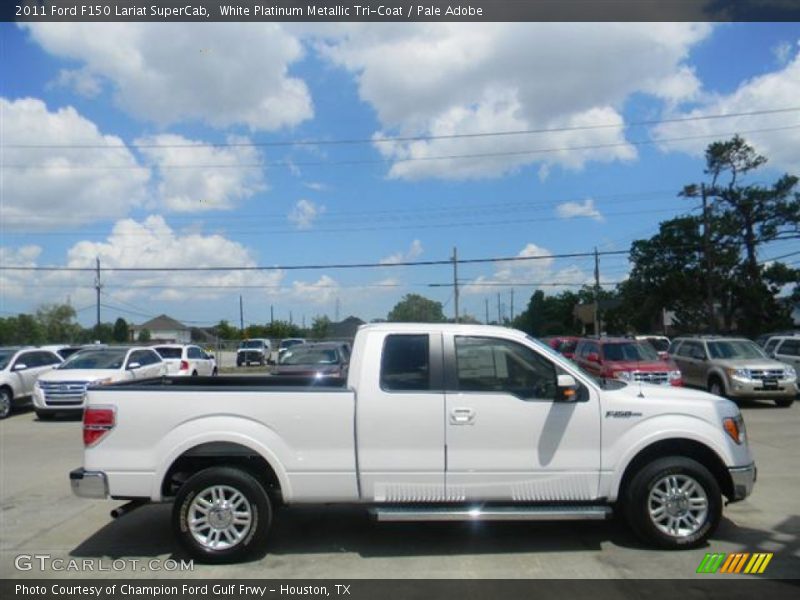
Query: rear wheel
[[5, 403], [221, 515], [673, 503]]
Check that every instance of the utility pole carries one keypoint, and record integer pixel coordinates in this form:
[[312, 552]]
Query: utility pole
[[291, 320], [499, 315], [241, 315], [338, 306], [97, 287], [455, 279], [487, 310], [709, 265], [271, 314], [512, 305], [596, 292]]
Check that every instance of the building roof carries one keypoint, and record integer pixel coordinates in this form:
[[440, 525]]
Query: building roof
[[162, 323]]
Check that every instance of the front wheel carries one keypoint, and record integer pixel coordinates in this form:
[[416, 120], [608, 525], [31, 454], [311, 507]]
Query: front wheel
[[673, 503], [221, 515], [715, 387], [784, 402]]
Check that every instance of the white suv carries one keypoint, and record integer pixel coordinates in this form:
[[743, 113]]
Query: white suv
[[187, 360], [19, 368]]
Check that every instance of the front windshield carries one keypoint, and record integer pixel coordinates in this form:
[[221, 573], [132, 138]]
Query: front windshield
[[660, 344], [5, 357], [629, 351], [735, 349], [310, 356], [251, 344], [567, 346], [95, 359]]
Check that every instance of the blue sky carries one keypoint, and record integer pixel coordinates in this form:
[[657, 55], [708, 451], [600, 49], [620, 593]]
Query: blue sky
[[175, 145]]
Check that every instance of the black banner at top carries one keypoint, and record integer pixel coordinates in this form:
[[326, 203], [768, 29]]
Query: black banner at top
[[399, 10]]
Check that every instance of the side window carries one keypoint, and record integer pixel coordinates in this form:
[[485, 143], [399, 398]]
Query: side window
[[136, 357], [28, 359], [688, 349], [194, 352], [44, 359], [405, 363], [495, 365], [673, 348], [790, 348]]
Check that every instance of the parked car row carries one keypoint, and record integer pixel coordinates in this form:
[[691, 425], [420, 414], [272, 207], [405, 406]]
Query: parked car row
[[735, 368], [55, 378]]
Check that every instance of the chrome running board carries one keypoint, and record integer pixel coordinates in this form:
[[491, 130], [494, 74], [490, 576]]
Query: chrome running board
[[492, 513]]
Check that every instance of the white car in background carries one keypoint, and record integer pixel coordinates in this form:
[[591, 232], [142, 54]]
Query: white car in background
[[184, 359], [19, 368], [63, 389]]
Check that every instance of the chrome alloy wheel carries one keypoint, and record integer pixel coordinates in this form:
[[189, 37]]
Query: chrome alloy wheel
[[678, 505], [220, 517]]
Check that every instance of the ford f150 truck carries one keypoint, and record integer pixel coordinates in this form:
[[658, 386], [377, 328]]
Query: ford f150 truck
[[435, 422]]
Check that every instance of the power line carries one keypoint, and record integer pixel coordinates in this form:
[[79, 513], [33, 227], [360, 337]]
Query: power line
[[293, 164], [416, 138]]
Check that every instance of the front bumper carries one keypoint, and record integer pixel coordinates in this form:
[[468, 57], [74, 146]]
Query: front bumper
[[743, 478], [89, 484], [740, 388]]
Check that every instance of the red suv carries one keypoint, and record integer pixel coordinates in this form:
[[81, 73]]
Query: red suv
[[625, 359], [563, 344]]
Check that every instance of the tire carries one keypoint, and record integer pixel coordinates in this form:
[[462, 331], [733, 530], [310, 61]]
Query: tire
[[44, 416], [715, 387], [784, 402], [683, 522], [6, 403], [214, 373], [194, 373], [227, 541]]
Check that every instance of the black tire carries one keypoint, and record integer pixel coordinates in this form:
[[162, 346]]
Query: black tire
[[716, 387], [252, 537], [6, 403], [44, 415], [784, 402], [639, 499], [194, 373]]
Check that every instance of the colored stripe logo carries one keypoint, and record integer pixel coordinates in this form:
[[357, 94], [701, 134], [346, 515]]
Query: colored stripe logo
[[738, 562]]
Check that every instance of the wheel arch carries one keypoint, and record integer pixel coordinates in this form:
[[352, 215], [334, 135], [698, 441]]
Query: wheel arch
[[686, 448]]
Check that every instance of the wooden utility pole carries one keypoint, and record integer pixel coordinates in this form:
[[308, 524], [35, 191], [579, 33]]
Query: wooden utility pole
[[487, 310], [596, 293], [455, 280], [241, 315], [97, 288]]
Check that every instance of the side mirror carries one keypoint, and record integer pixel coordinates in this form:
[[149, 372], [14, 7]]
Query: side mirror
[[20, 367], [134, 365], [567, 389], [593, 357]]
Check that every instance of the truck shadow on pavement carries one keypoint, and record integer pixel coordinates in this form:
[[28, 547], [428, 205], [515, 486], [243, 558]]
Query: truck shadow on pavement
[[146, 532]]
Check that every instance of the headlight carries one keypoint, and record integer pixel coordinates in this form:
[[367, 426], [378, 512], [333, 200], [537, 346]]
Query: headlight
[[734, 427], [789, 372], [739, 373], [674, 375], [102, 381], [624, 375]]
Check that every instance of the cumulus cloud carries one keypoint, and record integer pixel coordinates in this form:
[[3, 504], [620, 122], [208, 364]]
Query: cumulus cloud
[[228, 174], [219, 73], [777, 89], [572, 210], [456, 79], [322, 291], [47, 187], [414, 251], [81, 81], [304, 213]]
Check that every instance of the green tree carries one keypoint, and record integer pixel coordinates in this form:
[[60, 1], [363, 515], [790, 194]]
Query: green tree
[[121, 332], [226, 331], [144, 335], [23, 329], [320, 327], [414, 308], [56, 322]]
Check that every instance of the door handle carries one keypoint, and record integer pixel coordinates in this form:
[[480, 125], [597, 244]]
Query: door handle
[[462, 416]]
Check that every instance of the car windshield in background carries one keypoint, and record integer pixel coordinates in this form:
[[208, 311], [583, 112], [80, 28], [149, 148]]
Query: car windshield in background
[[567, 346], [310, 356], [290, 343], [169, 352], [633, 351], [735, 349], [5, 356], [95, 359], [660, 344], [251, 344]]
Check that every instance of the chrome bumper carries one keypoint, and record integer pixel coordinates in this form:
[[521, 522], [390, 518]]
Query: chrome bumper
[[88, 484], [743, 480]]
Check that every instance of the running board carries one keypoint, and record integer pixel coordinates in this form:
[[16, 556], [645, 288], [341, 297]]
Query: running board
[[493, 513]]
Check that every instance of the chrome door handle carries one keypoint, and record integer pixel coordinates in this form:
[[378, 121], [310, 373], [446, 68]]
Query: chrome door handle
[[462, 416]]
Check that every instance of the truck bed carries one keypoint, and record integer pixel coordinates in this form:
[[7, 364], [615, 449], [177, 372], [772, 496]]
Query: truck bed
[[248, 382]]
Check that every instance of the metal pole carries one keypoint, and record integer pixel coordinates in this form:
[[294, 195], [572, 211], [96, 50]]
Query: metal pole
[[271, 314], [97, 287], [455, 279], [241, 315], [487, 310], [512, 304], [596, 293]]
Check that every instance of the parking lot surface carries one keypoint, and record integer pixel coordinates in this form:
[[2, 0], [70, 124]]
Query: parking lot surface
[[40, 516]]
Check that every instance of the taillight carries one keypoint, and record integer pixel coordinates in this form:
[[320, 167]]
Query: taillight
[[97, 422], [184, 365]]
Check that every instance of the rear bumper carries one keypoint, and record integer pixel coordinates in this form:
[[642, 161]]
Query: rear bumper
[[743, 478], [89, 484]]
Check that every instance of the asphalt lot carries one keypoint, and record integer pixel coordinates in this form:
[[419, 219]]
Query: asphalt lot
[[39, 516]]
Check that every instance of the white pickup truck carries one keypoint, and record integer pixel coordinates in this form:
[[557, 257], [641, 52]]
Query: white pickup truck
[[435, 422]]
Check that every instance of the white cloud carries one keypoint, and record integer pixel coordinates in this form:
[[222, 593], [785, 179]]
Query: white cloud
[[775, 90], [81, 81], [464, 78], [323, 291], [414, 251], [48, 187], [304, 213], [219, 73], [228, 174], [12, 283], [571, 210]]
